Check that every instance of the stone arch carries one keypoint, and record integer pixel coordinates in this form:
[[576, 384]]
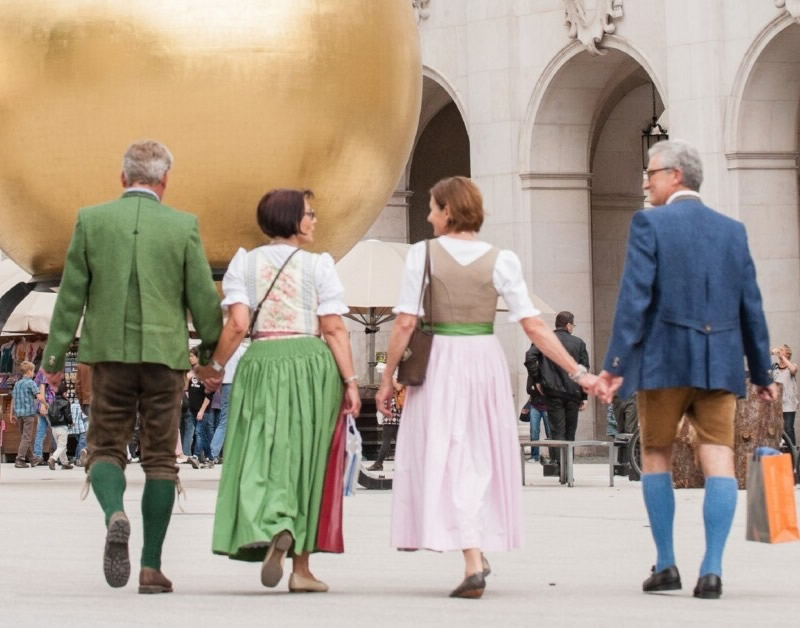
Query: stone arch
[[441, 147], [743, 86], [585, 118], [554, 69], [762, 141]]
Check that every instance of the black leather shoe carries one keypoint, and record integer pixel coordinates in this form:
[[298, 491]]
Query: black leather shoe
[[709, 587], [665, 580], [471, 587]]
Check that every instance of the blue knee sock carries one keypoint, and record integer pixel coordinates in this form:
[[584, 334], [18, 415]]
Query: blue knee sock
[[659, 499], [719, 507]]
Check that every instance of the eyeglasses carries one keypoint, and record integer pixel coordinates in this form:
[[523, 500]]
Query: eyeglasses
[[311, 213], [650, 173]]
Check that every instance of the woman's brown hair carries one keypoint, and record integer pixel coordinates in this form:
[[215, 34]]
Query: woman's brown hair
[[464, 199]]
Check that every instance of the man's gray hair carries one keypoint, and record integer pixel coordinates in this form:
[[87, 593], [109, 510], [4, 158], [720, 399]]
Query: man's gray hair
[[680, 154], [146, 162]]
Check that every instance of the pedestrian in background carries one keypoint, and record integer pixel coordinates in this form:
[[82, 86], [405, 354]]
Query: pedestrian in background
[[25, 401]]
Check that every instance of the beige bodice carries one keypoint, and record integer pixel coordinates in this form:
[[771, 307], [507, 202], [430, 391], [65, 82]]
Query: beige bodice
[[462, 294], [291, 306]]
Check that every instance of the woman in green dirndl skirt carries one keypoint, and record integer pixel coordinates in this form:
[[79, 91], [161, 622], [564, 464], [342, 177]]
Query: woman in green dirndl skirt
[[287, 393]]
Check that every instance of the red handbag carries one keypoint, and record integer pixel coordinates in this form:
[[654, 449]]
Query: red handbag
[[329, 528]]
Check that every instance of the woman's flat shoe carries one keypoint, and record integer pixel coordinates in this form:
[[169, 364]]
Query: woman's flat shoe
[[487, 568], [301, 584], [472, 587], [272, 569]]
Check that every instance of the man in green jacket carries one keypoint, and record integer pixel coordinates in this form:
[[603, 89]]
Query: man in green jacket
[[133, 268]]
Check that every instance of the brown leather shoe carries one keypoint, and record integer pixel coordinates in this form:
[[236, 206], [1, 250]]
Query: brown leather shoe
[[472, 587], [116, 561], [301, 584], [153, 581], [272, 568]]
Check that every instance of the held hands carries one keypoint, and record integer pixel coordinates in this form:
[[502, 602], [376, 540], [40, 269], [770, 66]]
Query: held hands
[[605, 386], [211, 378]]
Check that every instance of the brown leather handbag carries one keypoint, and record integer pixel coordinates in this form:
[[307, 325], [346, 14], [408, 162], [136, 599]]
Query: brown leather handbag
[[414, 363]]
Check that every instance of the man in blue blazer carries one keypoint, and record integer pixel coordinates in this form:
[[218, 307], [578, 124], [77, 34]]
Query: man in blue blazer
[[689, 309]]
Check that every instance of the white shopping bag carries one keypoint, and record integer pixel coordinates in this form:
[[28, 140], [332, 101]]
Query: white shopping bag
[[353, 456]]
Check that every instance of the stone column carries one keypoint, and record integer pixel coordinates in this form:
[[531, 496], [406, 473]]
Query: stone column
[[766, 197], [556, 216]]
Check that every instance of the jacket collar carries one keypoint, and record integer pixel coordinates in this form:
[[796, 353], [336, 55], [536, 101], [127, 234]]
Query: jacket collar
[[141, 192], [684, 195]]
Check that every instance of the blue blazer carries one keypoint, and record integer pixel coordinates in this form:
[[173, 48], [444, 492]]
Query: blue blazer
[[689, 308]]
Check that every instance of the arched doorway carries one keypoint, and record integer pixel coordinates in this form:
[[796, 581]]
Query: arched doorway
[[581, 177], [441, 150], [763, 137]]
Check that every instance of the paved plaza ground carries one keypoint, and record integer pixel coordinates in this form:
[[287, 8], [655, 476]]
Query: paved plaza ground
[[586, 551]]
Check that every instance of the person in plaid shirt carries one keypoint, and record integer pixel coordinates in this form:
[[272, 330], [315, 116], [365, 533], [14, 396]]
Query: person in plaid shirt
[[25, 402]]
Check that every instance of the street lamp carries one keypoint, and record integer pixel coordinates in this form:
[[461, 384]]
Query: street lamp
[[653, 134]]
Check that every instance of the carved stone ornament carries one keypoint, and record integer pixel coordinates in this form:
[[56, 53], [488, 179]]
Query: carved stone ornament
[[590, 25], [421, 9], [791, 6]]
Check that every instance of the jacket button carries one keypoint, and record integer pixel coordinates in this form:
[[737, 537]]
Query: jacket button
[[707, 329], [615, 362]]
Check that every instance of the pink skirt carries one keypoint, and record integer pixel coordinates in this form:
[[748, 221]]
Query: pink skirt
[[457, 478]]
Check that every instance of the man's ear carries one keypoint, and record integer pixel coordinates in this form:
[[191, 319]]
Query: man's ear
[[122, 179]]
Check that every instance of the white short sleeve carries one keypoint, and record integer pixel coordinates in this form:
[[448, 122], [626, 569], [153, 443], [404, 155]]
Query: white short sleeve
[[409, 302], [510, 284], [234, 286], [329, 287]]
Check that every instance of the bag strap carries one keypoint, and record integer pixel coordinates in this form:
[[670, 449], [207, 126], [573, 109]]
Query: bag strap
[[425, 296], [266, 294]]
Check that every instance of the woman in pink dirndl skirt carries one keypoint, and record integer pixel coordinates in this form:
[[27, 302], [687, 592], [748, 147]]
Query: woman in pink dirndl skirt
[[457, 479]]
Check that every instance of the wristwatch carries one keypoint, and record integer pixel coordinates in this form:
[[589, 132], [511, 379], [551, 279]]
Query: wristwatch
[[579, 373], [216, 366]]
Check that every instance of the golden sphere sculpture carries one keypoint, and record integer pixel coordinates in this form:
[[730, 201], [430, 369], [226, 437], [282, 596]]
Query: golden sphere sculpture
[[247, 94]]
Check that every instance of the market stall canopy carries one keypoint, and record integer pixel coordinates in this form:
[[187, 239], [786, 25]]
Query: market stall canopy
[[34, 313]]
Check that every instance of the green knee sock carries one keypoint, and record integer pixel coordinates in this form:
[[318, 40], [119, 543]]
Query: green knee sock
[[157, 500], [108, 484]]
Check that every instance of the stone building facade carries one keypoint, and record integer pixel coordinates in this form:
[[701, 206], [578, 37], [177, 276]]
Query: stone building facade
[[543, 103]]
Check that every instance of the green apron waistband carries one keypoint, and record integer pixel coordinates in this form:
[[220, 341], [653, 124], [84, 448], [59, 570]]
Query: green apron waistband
[[463, 329]]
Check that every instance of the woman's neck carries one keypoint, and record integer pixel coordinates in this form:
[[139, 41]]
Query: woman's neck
[[293, 241], [461, 235]]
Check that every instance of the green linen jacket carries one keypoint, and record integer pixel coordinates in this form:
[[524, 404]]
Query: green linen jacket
[[173, 276]]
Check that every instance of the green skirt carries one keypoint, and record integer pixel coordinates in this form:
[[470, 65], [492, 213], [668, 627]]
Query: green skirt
[[282, 411]]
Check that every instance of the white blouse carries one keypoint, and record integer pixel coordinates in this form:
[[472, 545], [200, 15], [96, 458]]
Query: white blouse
[[507, 276], [326, 280]]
